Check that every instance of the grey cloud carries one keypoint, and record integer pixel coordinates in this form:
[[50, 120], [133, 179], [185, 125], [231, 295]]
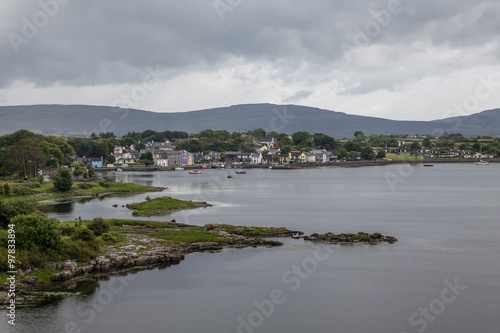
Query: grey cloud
[[99, 42], [299, 95]]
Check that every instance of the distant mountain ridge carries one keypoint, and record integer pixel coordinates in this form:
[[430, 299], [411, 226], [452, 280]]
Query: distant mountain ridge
[[80, 120]]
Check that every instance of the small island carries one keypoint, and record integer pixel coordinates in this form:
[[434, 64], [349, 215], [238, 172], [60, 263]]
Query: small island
[[163, 206], [349, 238]]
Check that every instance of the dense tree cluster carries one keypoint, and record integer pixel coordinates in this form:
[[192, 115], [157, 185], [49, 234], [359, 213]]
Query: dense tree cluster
[[24, 152]]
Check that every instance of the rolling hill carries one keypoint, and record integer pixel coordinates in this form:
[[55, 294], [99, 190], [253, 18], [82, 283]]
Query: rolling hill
[[81, 120]]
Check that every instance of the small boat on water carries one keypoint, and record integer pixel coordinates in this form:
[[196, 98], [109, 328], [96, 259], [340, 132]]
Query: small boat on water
[[428, 165], [206, 167], [244, 172], [195, 172], [179, 169], [482, 162], [229, 175]]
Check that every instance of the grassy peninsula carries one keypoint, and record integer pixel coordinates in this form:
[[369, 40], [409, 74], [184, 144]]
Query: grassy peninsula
[[47, 191]]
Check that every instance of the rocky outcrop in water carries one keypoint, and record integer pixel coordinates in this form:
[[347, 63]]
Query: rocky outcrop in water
[[360, 237]]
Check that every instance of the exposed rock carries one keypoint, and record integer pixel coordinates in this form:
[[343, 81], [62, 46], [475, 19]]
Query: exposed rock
[[360, 237]]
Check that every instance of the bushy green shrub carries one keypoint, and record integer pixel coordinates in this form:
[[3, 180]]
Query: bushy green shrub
[[1, 190], [34, 259], [22, 190], [107, 237], [37, 232], [84, 186], [91, 170], [81, 250], [7, 190], [83, 234], [66, 230], [104, 184], [98, 226], [14, 207], [78, 169], [63, 180], [4, 264]]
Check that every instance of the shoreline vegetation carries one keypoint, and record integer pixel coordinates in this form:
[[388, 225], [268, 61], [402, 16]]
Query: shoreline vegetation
[[45, 191], [92, 250]]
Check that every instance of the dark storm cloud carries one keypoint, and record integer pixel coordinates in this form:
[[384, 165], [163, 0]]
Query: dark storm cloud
[[109, 42]]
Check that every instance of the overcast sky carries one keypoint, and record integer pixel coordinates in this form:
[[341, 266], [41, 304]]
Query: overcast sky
[[412, 60]]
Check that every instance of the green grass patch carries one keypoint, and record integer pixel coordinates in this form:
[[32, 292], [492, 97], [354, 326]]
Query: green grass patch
[[403, 157], [187, 236], [162, 206], [42, 274]]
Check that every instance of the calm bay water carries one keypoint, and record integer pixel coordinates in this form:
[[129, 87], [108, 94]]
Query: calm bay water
[[447, 220]]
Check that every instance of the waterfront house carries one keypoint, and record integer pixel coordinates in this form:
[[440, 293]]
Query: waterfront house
[[310, 157], [256, 158], [267, 158], [230, 157], [297, 157], [212, 156], [161, 161], [198, 156], [173, 157], [186, 158], [96, 162], [284, 158], [331, 154], [320, 155], [126, 158]]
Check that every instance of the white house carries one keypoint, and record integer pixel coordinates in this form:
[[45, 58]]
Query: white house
[[125, 158], [256, 158], [320, 155], [161, 161]]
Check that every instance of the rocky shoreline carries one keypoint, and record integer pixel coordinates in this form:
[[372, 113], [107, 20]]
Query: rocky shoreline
[[146, 252]]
